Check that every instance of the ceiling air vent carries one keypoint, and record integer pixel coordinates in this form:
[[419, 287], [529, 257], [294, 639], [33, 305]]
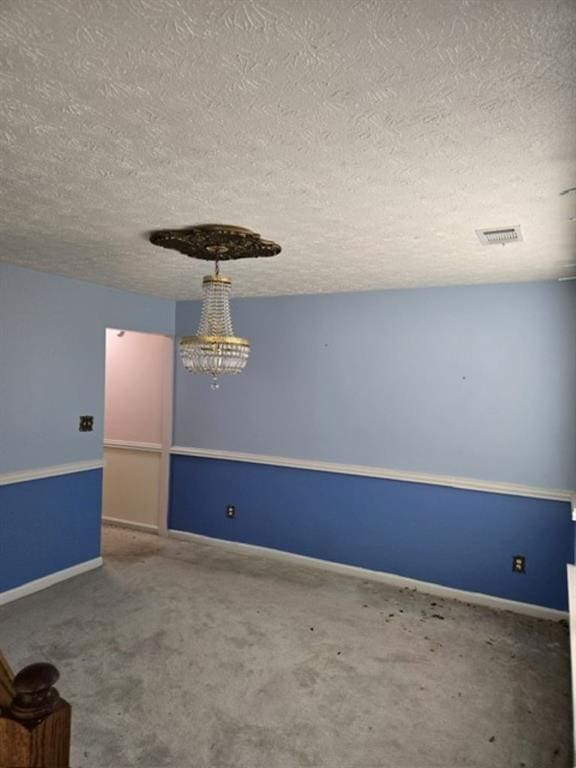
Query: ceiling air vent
[[500, 236]]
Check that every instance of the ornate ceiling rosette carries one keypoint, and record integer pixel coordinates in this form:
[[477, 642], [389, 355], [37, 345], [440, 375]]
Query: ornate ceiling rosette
[[215, 242]]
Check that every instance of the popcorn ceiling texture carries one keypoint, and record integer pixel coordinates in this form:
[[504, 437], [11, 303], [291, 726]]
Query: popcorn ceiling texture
[[369, 138]]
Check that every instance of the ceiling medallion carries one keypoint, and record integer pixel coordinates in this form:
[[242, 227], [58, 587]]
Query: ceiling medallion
[[213, 242], [215, 349]]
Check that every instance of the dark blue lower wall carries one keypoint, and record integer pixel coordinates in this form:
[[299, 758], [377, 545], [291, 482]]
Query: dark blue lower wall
[[457, 538], [47, 525]]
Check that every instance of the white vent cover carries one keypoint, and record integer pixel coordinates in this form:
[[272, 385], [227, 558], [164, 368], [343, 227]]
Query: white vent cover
[[500, 236]]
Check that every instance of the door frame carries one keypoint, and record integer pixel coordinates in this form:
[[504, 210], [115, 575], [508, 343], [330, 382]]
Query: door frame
[[167, 428], [162, 449]]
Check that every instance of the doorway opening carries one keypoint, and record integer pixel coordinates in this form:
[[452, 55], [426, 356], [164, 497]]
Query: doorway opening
[[137, 429]]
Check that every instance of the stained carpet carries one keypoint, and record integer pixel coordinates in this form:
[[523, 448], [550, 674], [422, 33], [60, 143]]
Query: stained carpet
[[183, 654]]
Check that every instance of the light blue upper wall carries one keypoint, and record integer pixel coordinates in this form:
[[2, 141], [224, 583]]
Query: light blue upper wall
[[475, 381], [52, 345]]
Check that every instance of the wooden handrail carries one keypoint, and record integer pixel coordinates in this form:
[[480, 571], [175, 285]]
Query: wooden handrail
[[6, 683], [34, 720]]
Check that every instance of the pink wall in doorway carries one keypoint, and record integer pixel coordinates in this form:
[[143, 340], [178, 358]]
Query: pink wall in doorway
[[135, 377]]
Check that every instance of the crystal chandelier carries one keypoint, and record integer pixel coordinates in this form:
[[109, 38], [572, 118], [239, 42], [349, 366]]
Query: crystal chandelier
[[215, 350]]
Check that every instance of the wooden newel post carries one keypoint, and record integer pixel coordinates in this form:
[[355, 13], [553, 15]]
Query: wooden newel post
[[35, 728]]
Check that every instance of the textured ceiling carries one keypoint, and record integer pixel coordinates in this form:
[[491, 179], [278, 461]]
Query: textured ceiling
[[369, 137]]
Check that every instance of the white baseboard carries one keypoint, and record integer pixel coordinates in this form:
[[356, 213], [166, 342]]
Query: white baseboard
[[118, 523], [572, 603], [537, 611], [48, 581]]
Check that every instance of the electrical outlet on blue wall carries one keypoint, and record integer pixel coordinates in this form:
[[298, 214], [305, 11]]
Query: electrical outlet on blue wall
[[519, 564]]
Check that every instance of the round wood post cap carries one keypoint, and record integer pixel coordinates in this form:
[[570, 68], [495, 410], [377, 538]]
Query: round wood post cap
[[35, 695]]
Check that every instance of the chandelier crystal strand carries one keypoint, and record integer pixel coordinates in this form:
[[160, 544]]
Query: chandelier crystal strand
[[215, 350]]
